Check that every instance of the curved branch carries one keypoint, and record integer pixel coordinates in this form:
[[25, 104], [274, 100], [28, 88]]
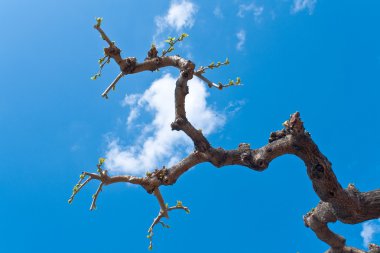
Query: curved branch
[[337, 204], [346, 205]]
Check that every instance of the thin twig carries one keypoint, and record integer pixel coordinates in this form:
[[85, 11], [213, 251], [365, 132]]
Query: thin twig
[[95, 197], [161, 214], [202, 69], [112, 85], [209, 83], [103, 34], [79, 188]]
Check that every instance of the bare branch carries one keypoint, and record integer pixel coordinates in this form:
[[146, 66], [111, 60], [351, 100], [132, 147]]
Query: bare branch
[[112, 85], [209, 83], [95, 197], [103, 34], [78, 187], [348, 205], [160, 199], [163, 213]]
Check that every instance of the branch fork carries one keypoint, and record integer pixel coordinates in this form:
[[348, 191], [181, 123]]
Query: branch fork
[[348, 205]]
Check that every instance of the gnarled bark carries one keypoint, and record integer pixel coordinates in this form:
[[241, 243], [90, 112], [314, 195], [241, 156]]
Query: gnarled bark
[[347, 205]]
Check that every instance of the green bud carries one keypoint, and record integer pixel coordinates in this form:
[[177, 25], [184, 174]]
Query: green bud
[[99, 21], [101, 161]]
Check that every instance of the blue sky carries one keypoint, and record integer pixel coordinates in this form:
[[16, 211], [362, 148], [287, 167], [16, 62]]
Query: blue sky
[[319, 57]]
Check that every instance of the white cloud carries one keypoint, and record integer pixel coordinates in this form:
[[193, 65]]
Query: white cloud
[[179, 16], [241, 39], [370, 228], [157, 144], [218, 12], [128, 101], [256, 10], [300, 5]]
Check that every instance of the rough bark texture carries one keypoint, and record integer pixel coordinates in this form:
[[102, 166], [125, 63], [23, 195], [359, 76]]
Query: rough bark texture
[[347, 205]]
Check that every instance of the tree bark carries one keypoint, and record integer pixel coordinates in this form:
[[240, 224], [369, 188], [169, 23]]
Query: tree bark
[[347, 205]]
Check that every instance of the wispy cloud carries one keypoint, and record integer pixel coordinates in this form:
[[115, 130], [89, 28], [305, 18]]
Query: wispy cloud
[[370, 228], [241, 39], [218, 12], [301, 5], [158, 145], [180, 15], [256, 10], [234, 107]]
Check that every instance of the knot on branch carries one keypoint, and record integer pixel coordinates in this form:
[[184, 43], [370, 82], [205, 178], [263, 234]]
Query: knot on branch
[[244, 147], [245, 156], [252, 159], [317, 171], [294, 124], [178, 123], [351, 188], [128, 65], [188, 70], [306, 217], [152, 53], [160, 174], [373, 248], [104, 177], [277, 135], [112, 51]]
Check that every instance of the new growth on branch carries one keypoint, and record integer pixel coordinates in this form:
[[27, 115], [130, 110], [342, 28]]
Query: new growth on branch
[[152, 62], [347, 205]]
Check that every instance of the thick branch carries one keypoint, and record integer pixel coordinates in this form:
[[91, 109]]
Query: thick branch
[[346, 205], [180, 121]]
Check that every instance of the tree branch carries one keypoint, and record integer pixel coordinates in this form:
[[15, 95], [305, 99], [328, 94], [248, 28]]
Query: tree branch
[[163, 213], [337, 204], [112, 85]]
